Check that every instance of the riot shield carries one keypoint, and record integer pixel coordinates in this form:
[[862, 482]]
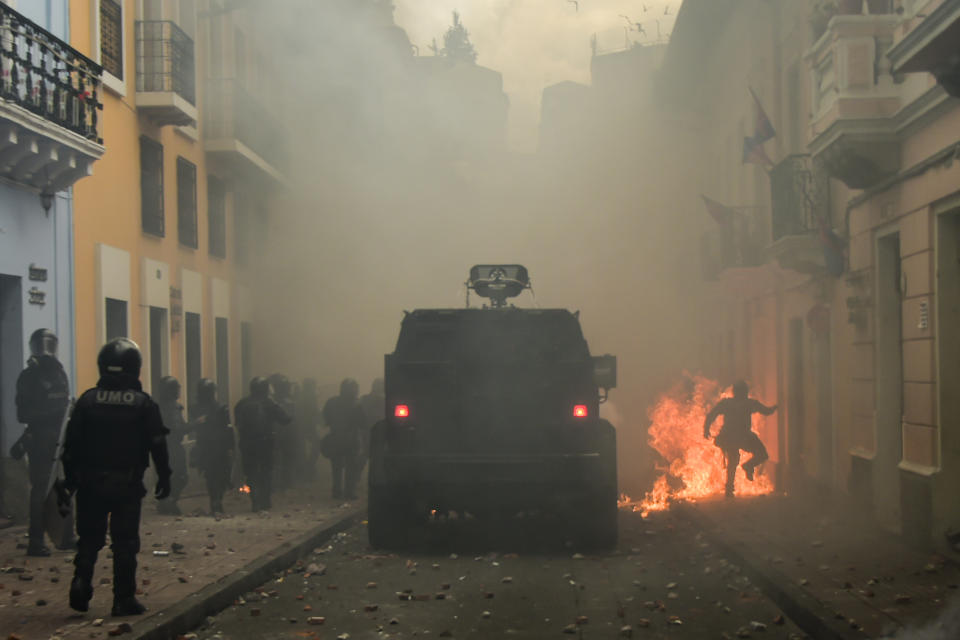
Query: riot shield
[[58, 526]]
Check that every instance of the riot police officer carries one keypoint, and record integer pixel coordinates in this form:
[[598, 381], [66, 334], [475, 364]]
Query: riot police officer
[[214, 442], [287, 453], [43, 396], [114, 430], [257, 416], [308, 415], [167, 397], [344, 417]]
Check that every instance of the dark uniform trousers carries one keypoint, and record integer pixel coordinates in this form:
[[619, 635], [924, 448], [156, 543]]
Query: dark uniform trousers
[[345, 460], [346, 474], [42, 400], [122, 510], [178, 463], [731, 443], [257, 458], [40, 454]]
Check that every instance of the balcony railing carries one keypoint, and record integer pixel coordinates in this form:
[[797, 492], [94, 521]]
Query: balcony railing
[[165, 59], [231, 113], [47, 77], [734, 244], [799, 195]]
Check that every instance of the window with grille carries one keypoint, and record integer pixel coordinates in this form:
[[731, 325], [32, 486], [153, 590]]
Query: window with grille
[[217, 217], [187, 202], [151, 186], [111, 37]]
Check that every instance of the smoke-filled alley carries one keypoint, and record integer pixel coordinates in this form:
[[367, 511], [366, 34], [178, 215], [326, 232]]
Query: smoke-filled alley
[[382, 318]]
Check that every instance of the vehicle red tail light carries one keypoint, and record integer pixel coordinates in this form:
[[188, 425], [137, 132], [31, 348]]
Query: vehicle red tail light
[[580, 411], [401, 411]]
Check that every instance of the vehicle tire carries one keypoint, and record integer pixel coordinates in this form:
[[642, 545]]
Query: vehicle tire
[[603, 532], [383, 528], [383, 518], [603, 519]]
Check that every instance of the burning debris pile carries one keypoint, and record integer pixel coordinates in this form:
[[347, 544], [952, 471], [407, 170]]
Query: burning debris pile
[[692, 467]]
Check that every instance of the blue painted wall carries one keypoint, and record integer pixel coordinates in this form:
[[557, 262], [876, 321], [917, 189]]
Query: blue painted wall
[[28, 237]]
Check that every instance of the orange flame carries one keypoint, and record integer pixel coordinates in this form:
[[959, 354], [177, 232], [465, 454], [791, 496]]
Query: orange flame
[[693, 466], [245, 489]]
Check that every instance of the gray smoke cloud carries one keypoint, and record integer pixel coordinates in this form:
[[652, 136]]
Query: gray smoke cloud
[[945, 627], [397, 184], [536, 43]]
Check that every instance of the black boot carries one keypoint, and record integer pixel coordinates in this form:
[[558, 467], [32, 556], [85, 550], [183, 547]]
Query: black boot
[[125, 602], [128, 606], [68, 543], [81, 588], [37, 549], [168, 507], [80, 593]]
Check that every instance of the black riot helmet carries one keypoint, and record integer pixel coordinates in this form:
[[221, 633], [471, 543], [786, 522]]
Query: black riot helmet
[[43, 342], [168, 389], [281, 385], [120, 355], [259, 387], [206, 391], [349, 388]]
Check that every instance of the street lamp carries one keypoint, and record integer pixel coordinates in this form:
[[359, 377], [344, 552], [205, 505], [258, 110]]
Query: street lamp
[[46, 198]]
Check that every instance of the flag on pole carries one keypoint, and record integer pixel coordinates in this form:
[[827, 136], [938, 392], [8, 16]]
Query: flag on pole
[[762, 129], [722, 214], [754, 153]]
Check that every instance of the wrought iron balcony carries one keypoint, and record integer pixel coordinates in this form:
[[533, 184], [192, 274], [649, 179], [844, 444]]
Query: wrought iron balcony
[[166, 73], [737, 244], [242, 132], [799, 193], [855, 98], [50, 125]]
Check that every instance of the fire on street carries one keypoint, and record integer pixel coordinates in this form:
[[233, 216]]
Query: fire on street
[[664, 580], [693, 468]]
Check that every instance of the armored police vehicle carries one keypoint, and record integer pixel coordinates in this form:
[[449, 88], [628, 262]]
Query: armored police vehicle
[[493, 413]]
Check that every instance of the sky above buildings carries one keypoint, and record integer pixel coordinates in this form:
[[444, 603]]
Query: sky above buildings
[[536, 43]]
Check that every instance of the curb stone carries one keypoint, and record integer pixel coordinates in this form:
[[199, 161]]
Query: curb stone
[[193, 610], [810, 614]]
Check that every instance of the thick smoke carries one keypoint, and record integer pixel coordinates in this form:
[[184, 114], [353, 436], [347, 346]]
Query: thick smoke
[[400, 179], [945, 627]]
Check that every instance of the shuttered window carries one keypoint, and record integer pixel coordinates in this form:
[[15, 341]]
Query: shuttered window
[[111, 37], [187, 202], [151, 186]]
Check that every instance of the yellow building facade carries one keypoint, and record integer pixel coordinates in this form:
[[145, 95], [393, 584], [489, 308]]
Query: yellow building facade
[[163, 228]]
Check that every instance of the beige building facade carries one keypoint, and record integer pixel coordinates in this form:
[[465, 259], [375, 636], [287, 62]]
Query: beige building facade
[[862, 358]]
